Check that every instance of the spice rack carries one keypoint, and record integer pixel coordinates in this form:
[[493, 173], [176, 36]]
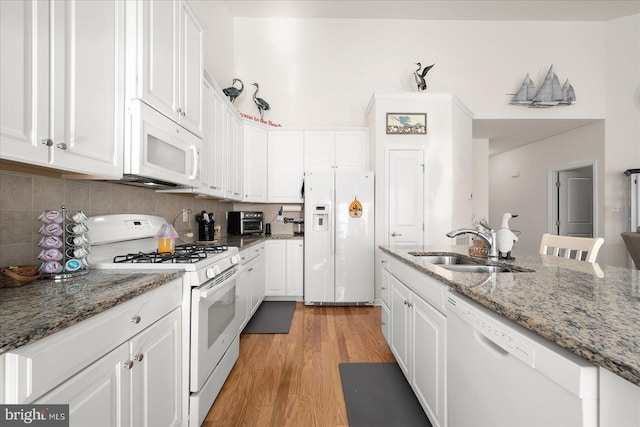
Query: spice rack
[[65, 244]]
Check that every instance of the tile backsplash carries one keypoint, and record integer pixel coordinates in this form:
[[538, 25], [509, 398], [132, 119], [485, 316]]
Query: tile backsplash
[[23, 196]]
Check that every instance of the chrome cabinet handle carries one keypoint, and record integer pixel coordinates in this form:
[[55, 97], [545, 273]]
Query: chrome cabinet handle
[[48, 142], [405, 302], [139, 357], [394, 234], [61, 146], [183, 113], [383, 288], [384, 261], [135, 319], [179, 110], [128, 364]]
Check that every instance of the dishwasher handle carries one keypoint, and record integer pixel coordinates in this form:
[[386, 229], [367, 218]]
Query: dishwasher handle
[[490, 328]]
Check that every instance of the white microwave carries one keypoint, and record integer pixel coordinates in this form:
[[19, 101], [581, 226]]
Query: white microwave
[[158, 152]]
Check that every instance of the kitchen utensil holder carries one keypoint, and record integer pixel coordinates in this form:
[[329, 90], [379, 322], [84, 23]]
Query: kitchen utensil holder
[[65, 245]]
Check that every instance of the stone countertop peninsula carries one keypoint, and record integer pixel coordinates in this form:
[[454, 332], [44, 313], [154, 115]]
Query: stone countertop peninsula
[[43, 307], [244, 242], [592, 310]]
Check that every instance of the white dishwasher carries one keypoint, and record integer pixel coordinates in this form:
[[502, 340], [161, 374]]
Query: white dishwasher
[[501, 374]]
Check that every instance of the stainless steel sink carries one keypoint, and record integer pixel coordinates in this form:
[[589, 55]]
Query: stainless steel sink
[[465, 265], [442, 259], [477, 268]]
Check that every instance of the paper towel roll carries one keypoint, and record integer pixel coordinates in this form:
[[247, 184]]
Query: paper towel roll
[[291, 208]]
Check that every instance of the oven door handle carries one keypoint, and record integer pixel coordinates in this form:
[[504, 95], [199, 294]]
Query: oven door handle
[[206, 293]]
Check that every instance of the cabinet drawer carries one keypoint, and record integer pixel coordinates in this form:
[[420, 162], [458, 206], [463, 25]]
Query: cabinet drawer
[[35, 369], [428, 288], [250, 253]]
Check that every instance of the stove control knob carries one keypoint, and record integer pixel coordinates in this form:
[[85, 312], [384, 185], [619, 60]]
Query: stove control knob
[[210, 273], [234, 260]]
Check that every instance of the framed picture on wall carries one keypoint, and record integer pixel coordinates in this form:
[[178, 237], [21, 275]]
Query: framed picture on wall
[[407, 123]]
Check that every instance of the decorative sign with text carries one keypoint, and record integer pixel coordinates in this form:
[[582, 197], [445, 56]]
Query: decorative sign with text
[[259, 120]]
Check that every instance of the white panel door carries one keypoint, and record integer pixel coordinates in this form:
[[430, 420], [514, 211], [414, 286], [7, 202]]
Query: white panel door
[[354, 236], [255, 164], [157, 373], [285, 158], [318, 150], [295, 267], [406, 197], [400, 324], [160, 56], [276, 273], [352, 150], [88, 86], [319, 247], [99, 395], [191, 67], [24, 80]]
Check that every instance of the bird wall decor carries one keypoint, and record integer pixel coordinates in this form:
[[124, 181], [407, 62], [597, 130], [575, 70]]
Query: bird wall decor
[[232, 92], [260, 103], [419, 76]]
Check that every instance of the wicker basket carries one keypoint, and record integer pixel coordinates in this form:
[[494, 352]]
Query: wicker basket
[[18, 276], [478, 251]]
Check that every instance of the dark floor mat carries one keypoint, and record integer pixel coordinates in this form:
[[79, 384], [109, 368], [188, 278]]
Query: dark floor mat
[[272, 317], [378, 395]]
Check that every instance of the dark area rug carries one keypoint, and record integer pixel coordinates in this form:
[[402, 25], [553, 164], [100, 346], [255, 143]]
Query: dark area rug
[[272, 317], [378, 395]]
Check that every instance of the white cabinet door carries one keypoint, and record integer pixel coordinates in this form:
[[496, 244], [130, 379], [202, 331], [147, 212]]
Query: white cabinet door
[[157, 373], [243, 297], [295, 267], [400, 324], [168, 68], [286, 174], [214, 131], [99, 395], [24, 80], [255, 163], [352, 150], [191, 68], [428, 355], [88, 65], [342, 149], [158, 77], [318, 150], [276, 274], [258, 284], [58, 58]]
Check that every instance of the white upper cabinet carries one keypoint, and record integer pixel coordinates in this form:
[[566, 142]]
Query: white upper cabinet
[[214, 141], [58, 59], [255, 163], [286, 173], [165, 61], [329, 149], [233, 156]]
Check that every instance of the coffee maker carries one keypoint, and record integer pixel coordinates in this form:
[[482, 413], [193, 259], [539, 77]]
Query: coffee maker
[[206, 226]]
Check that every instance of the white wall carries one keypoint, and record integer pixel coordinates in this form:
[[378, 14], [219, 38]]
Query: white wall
[[527, 194], [218, 40], [480, 180], [622, 133], [322, 72]]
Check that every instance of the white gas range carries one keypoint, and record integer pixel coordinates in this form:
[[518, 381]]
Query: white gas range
[[127, 242]]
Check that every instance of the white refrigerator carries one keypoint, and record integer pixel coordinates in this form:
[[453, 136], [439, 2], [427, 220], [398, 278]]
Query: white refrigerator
[[338, 237]]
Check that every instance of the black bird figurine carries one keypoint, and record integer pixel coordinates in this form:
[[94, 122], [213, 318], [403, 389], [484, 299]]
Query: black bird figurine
[[419, 76], [233, 92], [261, 103]]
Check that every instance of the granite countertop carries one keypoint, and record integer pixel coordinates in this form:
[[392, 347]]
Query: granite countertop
[[592, 310], [41, 308], [244, 242]]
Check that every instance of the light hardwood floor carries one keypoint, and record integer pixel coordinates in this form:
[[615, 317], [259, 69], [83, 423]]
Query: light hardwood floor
[[293, 379]]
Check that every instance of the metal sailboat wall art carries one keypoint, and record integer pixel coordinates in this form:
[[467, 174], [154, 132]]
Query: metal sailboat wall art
[[550, 93]]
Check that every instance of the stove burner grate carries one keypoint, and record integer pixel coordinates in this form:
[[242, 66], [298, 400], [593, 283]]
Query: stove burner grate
[[186, 253]]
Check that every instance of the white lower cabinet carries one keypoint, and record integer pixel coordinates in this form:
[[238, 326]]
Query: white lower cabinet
[[250, 284], [120, 367], [140, 380], [418, 331], [285, 276]]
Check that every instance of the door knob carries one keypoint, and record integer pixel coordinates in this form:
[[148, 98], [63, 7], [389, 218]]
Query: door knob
[[47, 142], [394, 234], [61, 146]]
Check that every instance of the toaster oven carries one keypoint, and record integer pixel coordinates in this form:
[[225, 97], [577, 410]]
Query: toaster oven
[[242, 223]]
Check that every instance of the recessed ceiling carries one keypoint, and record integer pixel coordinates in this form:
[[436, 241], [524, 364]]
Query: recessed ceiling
[[516, 10]]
